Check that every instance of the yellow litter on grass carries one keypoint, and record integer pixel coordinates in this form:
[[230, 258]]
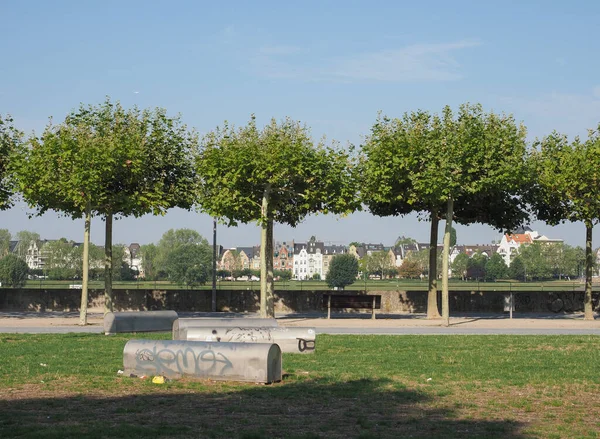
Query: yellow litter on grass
[[158, 380]]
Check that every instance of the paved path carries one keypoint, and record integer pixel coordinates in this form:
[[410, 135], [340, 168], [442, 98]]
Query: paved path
[[402, 324]]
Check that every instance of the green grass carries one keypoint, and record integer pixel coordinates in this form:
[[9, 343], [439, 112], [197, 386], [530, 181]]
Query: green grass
[[352, 387]]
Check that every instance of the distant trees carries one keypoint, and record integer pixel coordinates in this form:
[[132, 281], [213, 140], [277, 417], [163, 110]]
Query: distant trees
[[379, 264], [343, 270], [410, 269], [460, 265], [495, 268], [182, 255], [5, 237], [13, 271]]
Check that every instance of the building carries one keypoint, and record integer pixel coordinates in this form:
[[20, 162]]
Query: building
[[510, 244], [308, 259]]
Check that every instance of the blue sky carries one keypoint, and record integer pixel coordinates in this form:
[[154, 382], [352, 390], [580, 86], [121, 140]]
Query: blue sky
[[331, 64]]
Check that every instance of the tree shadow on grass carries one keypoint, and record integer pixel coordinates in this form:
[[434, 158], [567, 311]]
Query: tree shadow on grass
[[325, 408]]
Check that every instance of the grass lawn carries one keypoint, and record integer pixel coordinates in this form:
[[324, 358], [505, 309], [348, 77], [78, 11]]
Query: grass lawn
[[59, 386]]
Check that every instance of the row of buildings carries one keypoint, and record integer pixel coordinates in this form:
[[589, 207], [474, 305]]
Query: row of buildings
[[311, 258], [307, 259]]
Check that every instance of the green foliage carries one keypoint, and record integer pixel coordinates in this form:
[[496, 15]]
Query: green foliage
[[452, 237], [109, 161], [183, 255], [343, 270], [316, 276], [60, 259], [188, 264], [495, 268], [283, 275], [410, 269], [537, 265], [170, 240], [13, 271], [25, 238], [148, 254], [5, 238], [516, 270], [10, 142], [378, 263], [402, 240], [476, 266], [566, 187], [238, 166], [472, 161], [274, 174], [421, 258], [460, 266]]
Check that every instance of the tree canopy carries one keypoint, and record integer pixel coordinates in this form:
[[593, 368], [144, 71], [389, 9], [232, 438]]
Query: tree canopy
[[10, 141], [343, 270], [469, 164], [13, 271], [106, 160], [566, 187], [268, 175]]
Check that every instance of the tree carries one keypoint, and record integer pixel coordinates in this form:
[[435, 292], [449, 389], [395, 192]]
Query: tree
[[4, 242], [421, 258], [516, 270], [566, 188], [10, 141], [452, 237], [343, 270], [537, 264], [410, 269], [495, 268], [105, 160], [430, 164], [25, 238], [460, 266], [272, 175], [476, 266], [148, 253], [403, 240], [189, 263], [13, 271], [379, 263], [59, 262]]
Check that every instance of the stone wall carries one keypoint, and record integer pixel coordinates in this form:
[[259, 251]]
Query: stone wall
[[392, 302]]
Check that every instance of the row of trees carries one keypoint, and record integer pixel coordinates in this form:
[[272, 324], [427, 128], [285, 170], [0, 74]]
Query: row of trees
[[466, 166]]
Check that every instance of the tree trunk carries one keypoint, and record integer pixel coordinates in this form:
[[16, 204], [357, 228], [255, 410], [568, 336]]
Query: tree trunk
[[85, 266], [589, 264], [270, 283], [264, 238], [445, 260], [213, 306], [108, 266], [432, 305]]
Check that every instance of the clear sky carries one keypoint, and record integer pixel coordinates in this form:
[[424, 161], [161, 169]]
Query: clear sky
[[330, 64]]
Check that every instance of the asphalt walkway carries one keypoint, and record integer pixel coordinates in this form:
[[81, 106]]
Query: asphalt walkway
[[340, 323]]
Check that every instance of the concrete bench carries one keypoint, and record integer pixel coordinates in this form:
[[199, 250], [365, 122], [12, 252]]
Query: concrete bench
[[353, 301], [257, 362], [139, 321], [290, 340], [180, 325]]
